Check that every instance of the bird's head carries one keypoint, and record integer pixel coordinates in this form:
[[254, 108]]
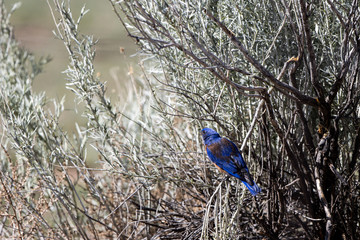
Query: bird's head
[[209, 135]]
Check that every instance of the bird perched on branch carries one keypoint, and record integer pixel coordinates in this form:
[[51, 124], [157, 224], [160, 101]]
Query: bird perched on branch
[[227, 158]]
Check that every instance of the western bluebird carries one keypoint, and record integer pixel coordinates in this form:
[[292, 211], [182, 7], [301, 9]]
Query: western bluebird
[[227, 157]]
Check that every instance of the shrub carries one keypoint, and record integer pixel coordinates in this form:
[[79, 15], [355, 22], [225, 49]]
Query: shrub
[[280, 79]]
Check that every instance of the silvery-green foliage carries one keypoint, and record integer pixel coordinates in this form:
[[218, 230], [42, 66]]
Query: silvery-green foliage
[[246, 68], [280, 75]]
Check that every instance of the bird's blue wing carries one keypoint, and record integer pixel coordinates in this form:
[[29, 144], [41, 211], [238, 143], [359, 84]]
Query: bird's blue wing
[[234, 153], [226, 155]]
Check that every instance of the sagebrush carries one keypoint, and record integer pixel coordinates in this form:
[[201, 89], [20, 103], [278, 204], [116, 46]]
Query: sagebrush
[[279, 78]]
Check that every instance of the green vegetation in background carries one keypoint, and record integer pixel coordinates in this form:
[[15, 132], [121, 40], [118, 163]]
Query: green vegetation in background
[[33, 26]]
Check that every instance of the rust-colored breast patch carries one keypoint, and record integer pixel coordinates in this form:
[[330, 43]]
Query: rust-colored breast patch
[[220, 169]]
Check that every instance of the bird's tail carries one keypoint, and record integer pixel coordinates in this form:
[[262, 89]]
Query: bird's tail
[[254, 189]]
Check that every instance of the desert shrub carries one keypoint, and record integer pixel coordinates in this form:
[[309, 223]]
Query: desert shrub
[[280, 79]]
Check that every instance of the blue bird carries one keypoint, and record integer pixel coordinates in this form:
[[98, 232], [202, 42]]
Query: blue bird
[[227, 157]]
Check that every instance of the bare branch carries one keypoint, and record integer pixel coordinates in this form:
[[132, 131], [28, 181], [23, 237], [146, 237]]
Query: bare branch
[[312, 58], [277, 84]]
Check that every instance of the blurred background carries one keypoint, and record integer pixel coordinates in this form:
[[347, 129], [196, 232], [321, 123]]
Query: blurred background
[[33, 26]]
